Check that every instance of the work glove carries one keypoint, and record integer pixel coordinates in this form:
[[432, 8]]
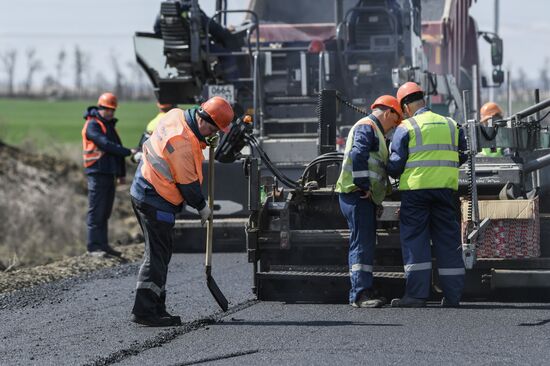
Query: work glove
[[205, 213], [213, 140], [136, 158], [366, 195]]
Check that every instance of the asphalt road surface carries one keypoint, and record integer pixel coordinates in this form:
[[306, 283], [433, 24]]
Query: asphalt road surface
[[85, 321]]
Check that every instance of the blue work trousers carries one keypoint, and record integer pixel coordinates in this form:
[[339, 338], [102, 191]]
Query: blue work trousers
[[361, 217], [430, 215], [151, 284], [101, 195]]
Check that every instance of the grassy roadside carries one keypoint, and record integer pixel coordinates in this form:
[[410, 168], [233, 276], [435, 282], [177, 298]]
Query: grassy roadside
[[43, 123]]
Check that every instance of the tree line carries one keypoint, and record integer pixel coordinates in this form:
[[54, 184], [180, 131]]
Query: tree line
[[128, 81], [125, 79]]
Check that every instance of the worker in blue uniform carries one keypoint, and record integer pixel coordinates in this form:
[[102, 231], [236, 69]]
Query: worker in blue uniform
[[362, 186], [103, 156], [425, 154]]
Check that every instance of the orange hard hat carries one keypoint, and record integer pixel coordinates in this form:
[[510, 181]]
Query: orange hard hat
[[390, 102], [107, 100], [409, 88], [217, 111], [489, 110]]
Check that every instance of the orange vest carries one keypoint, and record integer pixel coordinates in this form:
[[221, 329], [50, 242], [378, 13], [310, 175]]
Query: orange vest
[[172, 154], [90, 152]]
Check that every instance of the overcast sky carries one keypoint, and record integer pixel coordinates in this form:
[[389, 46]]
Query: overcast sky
[[102, 27]]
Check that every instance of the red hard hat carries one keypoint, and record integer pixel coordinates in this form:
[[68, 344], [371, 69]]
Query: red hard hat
[[390, 102], [489, 110], [407, 89], [218, 111], [107, 100]]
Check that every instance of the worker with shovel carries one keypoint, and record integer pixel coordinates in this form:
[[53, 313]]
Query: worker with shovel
[[170, 174]]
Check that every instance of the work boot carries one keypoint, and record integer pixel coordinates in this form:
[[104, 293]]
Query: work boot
[[408, 302], [174, 318], [98, 254], [447, 304], [156, 320], [369, 299], [111, 251]]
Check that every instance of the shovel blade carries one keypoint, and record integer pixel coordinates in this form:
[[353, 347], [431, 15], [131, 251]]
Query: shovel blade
[[216, 292]]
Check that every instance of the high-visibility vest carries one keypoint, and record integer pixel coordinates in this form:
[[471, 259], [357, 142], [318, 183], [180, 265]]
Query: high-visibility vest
[[173, 154], [378, 178], [433, 153], [154, 122], [486, 151], [90, 152]]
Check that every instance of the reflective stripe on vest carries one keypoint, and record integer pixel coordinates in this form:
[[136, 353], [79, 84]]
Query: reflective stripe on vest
[[433, 153], [167, 151], [376, 166], [90, 152], [156, 161]]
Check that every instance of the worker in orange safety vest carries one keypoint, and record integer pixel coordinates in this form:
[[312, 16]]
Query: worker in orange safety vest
[[103, 156], [169, 174]]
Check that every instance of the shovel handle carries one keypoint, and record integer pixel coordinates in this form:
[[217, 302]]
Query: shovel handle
[[210, 223]]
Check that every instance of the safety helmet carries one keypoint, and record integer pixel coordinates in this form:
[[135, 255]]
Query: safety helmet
[[489, 110], [165, 106], [218, 112], [107, 100], [408, 93], [390, 102]]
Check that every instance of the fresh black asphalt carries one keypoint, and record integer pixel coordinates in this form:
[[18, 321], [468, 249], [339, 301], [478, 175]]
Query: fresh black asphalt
[[85, 321]]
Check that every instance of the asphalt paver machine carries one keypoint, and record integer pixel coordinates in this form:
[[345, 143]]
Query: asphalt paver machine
[[297, 238], [272, 66]]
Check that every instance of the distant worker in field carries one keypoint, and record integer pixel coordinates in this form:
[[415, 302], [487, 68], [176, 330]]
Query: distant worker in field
[[425, 154], [169, 174], [103, 156], [163, 109], [362, 186], [491, 111]]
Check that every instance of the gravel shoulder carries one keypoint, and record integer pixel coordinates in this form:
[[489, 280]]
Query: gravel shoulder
[[70, 267]]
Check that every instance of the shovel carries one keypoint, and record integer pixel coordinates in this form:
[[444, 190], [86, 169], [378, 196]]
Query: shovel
[[210, 282]]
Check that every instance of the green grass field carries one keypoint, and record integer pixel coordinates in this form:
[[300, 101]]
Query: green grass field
[[42, 123]]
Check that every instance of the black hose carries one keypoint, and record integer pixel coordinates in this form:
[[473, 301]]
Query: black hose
[[491, 137], [276, 172]]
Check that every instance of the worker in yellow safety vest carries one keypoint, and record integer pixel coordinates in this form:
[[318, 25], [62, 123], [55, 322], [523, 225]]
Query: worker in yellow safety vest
[[163, 109], [426, 152], [362, 186]]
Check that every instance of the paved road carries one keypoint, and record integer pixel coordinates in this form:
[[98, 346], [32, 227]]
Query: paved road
[[85, 321]]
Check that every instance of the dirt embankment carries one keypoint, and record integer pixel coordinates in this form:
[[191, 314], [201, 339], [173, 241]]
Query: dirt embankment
[[43, 204]]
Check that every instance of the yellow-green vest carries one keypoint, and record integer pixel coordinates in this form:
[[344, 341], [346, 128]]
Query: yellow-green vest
[[486, 151], [433, 153], [379, 183], [153, 123]]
